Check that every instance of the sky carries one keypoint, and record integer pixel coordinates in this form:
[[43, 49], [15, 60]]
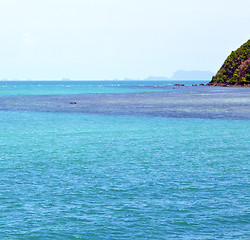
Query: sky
[[117, 39]]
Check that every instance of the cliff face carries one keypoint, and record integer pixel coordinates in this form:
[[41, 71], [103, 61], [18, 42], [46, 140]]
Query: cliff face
[[235, 71]]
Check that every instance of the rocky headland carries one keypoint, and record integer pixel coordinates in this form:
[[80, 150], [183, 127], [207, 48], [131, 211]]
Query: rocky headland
[[235, 71]]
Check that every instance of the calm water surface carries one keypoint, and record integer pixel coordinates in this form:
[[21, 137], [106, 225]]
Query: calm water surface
[[91, 172]]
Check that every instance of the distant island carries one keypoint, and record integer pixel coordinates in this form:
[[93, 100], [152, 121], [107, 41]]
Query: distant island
[[235, 71], [192, 75], [185, 75]]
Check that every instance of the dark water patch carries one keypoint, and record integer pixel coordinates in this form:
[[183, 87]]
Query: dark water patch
[[232, 104]]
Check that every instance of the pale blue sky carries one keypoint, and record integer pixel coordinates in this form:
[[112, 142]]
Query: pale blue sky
[[107, 39]]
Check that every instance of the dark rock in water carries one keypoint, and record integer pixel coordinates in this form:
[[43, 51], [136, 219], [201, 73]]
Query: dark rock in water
[[235, 71], [201, 84], [72, 103], [194, 85], [178, 85]]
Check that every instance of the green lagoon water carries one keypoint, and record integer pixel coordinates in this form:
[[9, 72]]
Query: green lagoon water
[[130, 160]]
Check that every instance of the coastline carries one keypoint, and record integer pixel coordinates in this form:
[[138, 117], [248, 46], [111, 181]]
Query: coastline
[[219, 84], [212, 85]]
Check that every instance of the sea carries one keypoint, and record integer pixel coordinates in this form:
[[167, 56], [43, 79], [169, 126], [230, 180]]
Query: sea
[[123, 160]]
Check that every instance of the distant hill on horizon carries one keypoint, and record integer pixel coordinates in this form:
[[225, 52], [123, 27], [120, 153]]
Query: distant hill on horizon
[[185, 75], [156, 78]]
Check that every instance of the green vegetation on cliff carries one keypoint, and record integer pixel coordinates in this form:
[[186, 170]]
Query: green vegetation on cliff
[[236, 69]]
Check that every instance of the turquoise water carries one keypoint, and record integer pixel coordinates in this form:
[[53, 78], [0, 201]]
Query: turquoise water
[[78, 87], [76, 175]]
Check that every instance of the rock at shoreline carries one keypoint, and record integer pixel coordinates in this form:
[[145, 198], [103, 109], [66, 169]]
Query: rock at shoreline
[[235, 71]]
